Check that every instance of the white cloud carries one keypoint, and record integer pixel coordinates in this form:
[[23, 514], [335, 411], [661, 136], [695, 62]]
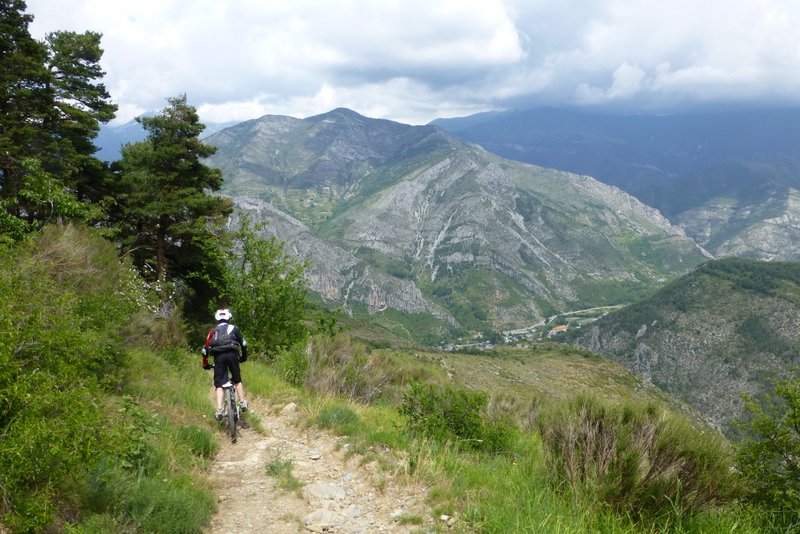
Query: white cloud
[[417, 60], [627, 81]]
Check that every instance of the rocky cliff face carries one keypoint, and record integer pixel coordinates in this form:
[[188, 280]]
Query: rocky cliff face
[[336, 274], [411, 219], [768, 230]]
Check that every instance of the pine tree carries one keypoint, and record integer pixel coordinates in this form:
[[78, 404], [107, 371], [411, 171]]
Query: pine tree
[[51, 107], [81, 103], [165, 209], [24, 98]]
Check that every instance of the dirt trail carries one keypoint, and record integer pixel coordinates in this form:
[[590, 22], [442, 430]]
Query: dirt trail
[[338, 494]]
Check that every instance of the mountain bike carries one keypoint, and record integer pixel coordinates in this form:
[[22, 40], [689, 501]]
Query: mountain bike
[[230, 410]]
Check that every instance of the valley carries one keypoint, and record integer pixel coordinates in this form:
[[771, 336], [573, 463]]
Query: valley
[[576, 318]]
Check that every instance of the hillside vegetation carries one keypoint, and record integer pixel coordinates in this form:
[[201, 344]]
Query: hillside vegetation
[[74, 442], [725, 329]]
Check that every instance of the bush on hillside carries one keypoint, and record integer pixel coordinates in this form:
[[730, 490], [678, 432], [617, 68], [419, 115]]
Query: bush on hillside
[[450, 414], [769, 458], [510, 407], [65, 303], [638, 460], [266, 290], [339, 366], [341, 418]]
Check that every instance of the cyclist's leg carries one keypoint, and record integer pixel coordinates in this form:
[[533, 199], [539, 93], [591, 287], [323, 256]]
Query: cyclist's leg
[[236, 378], [220, 377], [242, 401], [218, 398]]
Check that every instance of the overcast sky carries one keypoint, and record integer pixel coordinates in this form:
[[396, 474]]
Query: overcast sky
[[413, 61]]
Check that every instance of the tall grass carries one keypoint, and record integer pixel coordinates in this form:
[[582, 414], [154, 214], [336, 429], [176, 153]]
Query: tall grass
[[502, 494], [515, 493], [337, 366], [173, 379], [340, 366], [637, 460]]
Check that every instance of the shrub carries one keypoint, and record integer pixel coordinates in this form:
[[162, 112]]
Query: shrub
[[141, 485], [638, 460], [292, 365], [65, 302], [172, 507], [769, 458], [339, 366], [72, 448], [447, 413], [266, 289], [163, 503], [340, 418], [510, 407]]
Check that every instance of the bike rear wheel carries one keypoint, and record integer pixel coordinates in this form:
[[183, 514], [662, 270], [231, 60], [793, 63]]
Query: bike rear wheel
[[232, 414]]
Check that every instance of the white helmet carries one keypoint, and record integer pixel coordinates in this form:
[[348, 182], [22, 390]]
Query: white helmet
[[223, 315]]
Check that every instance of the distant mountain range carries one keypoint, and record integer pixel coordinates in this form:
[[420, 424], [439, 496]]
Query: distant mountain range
[[112, 137], [729, 178], [726, 328], [437, 236]]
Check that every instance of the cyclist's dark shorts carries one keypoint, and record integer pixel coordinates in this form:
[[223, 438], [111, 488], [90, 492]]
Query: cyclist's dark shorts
[[224, 362]]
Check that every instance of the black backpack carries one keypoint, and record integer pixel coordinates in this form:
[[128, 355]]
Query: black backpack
[[222, 341]]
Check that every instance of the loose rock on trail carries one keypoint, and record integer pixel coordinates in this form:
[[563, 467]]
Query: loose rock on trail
[[338, 494]]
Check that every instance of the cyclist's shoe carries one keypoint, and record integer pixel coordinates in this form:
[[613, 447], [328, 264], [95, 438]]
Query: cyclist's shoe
[[218, 414], [243, 405]]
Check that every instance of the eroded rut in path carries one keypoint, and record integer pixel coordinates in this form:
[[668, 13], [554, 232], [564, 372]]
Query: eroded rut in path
[[338, 494]]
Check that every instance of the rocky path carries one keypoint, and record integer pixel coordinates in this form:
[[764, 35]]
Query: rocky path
[[334, 494]]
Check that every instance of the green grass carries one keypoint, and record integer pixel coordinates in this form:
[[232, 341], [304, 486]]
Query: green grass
[[171, 442], [167, 442], [281, 470], [513, 493], [341, 419], [176, 383], [409, 519], [419, 327]]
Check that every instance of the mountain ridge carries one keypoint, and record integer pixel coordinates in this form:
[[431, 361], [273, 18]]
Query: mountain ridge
[[493, 242], [720, 174]]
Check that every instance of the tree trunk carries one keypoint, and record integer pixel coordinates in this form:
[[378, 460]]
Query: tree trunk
[[161, 255]]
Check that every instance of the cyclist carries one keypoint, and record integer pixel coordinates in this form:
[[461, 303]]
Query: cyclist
[[223, 343]]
